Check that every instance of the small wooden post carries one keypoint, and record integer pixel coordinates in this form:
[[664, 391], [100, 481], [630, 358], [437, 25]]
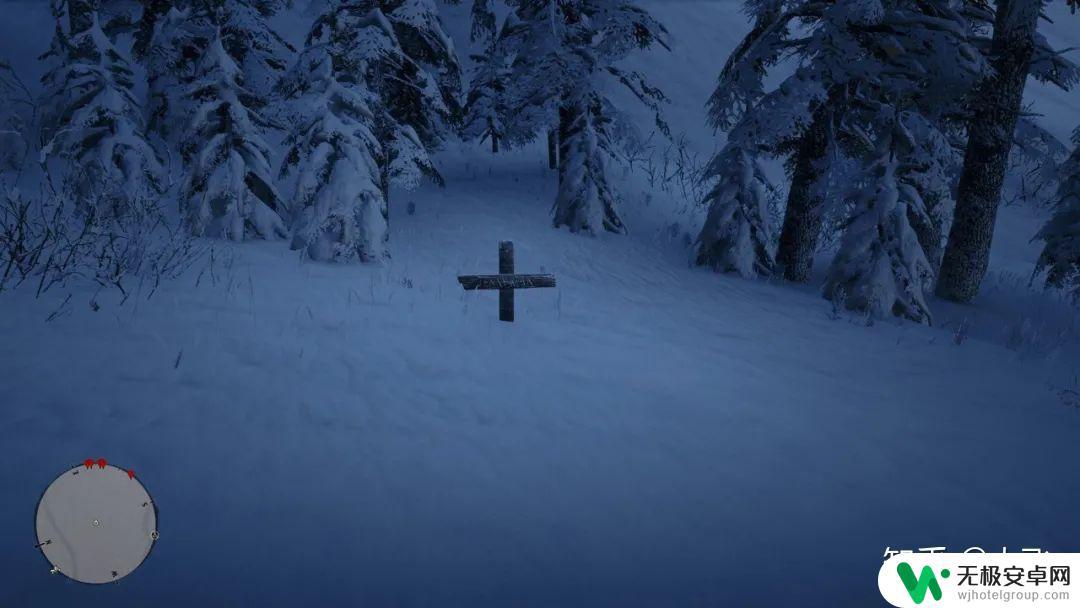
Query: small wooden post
[[506, 296]]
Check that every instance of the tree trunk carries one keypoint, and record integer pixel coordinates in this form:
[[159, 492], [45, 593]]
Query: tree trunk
[[553, 149], [990, 139], [802, 219], [384, 181], [494, 137]]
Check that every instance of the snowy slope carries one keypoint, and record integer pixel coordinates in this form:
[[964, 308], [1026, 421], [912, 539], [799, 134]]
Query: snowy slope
[[646, 434]]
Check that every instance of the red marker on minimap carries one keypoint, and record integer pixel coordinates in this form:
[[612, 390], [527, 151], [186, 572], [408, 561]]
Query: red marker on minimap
[[101, 462], [89, 463], [131, 474]]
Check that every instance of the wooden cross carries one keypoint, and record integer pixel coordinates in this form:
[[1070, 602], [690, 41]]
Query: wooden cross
[[506, 281]]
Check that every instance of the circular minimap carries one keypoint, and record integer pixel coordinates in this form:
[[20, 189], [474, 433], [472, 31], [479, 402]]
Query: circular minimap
[[96, 523]]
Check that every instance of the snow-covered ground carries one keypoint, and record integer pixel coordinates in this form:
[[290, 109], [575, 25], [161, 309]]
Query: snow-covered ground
[[647, 434]]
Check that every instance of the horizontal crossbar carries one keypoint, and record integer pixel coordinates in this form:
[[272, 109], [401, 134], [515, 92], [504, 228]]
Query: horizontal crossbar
[[506, 281]]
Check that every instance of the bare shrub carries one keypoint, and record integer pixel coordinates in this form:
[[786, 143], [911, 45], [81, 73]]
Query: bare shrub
[[46, 242]]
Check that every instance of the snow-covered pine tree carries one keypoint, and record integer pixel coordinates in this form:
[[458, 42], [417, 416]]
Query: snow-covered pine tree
[[1017, 51], [398, 54], [853, 55], [81, 13], [410, 65], [339, 211], [484, 26], [933, 164], [178, 40], [424, 41], [586, 201], [561, 49], [272, 7], [152, 12], [16, 118], [92, 122], [183, 33], [262, 54], [1034, 165], [792, 121], [485, 106], [737, 237], [1060, 257], [880, 267], [229, 191]]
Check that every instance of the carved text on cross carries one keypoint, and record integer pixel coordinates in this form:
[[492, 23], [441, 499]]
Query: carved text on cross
[[506, 281]]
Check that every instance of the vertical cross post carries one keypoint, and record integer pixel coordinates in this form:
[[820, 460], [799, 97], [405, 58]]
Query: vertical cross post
[[506, 266]]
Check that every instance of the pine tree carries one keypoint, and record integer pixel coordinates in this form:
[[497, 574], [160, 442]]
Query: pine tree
[[880, 267], [1034, 165], [152, 13], [586, 201], [1060, 257], [967, 254], [228, 192], [375, 92], [340, 212], [856, 55], [16, 118], [561, 49], [82, 14], [262, 54], [397, 55], [483, 27], [485, 108], [801, 228], [410, 65], [1016, 49], [179, 39], [429, 48], [183, 33], [92, 122], [737, 237], [933, 164]]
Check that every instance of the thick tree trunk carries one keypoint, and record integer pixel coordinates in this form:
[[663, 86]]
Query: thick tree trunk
[[553, 147], [990, 139], [802, 219]]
